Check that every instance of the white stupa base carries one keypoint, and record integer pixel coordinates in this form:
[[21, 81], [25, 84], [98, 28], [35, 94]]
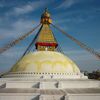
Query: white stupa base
[[28, 88], [46, 75]]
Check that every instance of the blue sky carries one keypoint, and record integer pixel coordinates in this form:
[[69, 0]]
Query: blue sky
[[80, 18]]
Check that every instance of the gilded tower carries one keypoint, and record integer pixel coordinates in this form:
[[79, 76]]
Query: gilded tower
[[46, 39]]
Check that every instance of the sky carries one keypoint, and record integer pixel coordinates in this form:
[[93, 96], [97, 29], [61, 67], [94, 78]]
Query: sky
[[79, 18]]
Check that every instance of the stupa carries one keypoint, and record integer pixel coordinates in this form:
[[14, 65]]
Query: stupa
[[47, 74]]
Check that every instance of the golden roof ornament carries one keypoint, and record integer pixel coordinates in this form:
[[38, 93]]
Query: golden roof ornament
[[45, 17]]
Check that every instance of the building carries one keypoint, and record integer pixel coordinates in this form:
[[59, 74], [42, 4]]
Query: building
[[47, 74]]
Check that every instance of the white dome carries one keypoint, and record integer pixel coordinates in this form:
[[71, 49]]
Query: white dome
[[45, 62]]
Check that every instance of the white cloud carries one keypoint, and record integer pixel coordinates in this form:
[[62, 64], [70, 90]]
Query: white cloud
[[1, 5], [11, 53], [22, 25], [10, 57], [68, 3], [71, 20], [81, 55], [18, 28], [84, 60], [29, 7], [22, 10]]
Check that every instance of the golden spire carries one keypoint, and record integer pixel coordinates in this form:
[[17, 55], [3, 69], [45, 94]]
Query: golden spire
[[46, 40]]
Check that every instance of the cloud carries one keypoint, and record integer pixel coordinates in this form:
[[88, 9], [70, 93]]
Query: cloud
[[1, 5], [12, 52], [84, 60], [77, 16], [77, 19], [22, 10], [10, 57], [27, 8], [22, 25], [82, 56], [67, 3], [17, 29]]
